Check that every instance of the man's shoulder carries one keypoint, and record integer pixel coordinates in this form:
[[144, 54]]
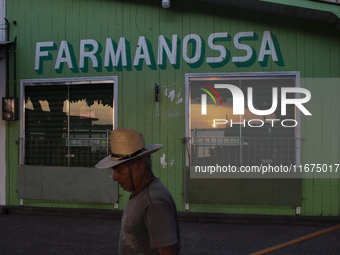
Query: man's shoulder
[[157, 192], [157, 187]]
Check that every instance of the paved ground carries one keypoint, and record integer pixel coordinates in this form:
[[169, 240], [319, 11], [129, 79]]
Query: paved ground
[[27, 234]]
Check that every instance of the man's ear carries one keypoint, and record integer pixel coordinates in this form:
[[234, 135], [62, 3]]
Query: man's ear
[[138, 164]]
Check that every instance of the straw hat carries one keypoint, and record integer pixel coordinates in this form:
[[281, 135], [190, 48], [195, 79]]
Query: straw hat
[[126, 144]]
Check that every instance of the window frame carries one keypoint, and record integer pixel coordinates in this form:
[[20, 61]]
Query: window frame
[[190, 76], [62, 82]]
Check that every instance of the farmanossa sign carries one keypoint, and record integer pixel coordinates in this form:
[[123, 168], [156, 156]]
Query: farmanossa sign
[[117, 54]]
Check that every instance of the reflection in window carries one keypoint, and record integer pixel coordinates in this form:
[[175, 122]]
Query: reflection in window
[[67, 125], [218, 136]]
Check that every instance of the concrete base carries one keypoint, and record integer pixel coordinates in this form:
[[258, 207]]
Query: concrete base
[[323, 221]]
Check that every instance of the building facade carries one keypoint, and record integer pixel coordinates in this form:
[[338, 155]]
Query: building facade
[[226, 86]]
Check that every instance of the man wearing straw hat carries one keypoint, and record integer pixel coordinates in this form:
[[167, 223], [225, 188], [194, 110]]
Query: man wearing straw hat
[[150, 221]]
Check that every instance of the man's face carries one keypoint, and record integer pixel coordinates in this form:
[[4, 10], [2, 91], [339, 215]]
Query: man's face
[[121, 174]]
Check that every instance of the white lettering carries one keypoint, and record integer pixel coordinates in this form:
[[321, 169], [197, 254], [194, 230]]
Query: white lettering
[[204, 104], [238, 97], [272, 120], [251, 124], [267, 39], [67, 59], [142, 46], [192, 51], [219, 121], [244, 123], [39, 53], [262, 112], [88, 54], [114, 57], [220, 48], [197, 55], [297, 101], [241, 46], [162, 45], [295, 123], [256, 120]]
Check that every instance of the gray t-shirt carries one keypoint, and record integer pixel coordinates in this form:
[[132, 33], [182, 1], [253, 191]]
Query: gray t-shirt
[[149, 221]]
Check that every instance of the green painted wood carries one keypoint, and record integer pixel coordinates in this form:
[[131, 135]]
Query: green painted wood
[[277, 192], [319, 184], [129, 82], [153, 119], [326, 137], [251, 25], [217, 26], [117, 29], [73, 17], [64, 204], [249, 209], [307, 46], [73, 184], [172, 114], [127, 85], [334, 130]]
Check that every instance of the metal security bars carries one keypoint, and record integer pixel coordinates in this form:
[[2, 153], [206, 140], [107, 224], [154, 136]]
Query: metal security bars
[[66, 122], [243, 151], [64, 152], [238, 119]]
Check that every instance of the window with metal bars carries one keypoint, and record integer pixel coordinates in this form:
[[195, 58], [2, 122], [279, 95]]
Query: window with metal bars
[[67, 124], [219, 136]]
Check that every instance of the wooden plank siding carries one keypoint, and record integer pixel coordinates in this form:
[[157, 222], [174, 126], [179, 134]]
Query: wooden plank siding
[[306, 46]]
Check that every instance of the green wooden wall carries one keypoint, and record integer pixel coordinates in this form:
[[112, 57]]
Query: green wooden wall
[[306, 46]]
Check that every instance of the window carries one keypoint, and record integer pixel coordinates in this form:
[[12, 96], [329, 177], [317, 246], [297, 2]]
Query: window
[[66, 123], [225, 130]]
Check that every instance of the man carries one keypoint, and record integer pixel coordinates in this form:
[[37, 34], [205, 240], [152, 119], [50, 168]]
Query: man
[[150, 221]]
